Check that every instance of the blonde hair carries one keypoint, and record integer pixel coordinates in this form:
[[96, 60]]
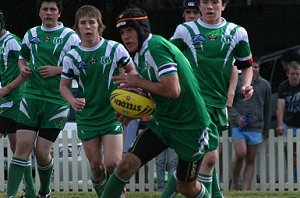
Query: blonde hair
[[292, 65], [92, 12]]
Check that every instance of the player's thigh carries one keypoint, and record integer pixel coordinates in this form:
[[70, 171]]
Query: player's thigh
[[147, 145], [190, 145], [93, 149], [187, 171], [113, 149]]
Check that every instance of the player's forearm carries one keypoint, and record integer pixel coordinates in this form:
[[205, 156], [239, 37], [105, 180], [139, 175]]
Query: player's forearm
[[232, 86], [22, 63], [15, 83], [66, 93], [247, 76], [168, 87]]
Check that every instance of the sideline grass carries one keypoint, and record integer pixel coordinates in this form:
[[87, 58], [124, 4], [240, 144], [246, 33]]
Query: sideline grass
[[231, 194]]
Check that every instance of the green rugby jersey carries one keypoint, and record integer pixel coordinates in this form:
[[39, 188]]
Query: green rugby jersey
[[93, 69], [10, 46], [43, 47], [212, 50], [158, 58]]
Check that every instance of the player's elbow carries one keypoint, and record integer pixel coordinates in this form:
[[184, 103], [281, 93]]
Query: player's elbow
[[175, 93]]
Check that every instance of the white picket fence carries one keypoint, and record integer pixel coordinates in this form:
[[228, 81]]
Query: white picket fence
[[274, 169]]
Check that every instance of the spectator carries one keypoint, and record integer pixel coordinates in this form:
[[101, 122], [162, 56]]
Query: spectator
[[11, 93], [289, 56], [43, 111], [288, 103], [250, 121], [97, 127], [190, 10]]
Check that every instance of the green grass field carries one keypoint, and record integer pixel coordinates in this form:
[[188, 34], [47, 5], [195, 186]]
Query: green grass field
[[232, 194]]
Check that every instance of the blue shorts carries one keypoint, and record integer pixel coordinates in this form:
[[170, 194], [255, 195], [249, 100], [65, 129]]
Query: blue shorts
[[251, 137], [286, 127]]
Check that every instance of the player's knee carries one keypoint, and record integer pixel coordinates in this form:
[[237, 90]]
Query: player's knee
[[210, 159], [112, 165], [128, 166]]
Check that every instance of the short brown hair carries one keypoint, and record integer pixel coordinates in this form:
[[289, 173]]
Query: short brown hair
[[58, 4]]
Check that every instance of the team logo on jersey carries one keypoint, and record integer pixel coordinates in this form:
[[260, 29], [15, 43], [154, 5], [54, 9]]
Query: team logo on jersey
[[93, 61], [212, 37], [35, 40], [58, 40], [82, 65], [198, 38], [226, 39], [47, 39], [104, 60], [60, 123]]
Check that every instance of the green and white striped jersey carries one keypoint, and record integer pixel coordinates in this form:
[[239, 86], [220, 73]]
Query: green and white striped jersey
[[10, 46], [46, 47], [93, 69], [158, 58], [212, 50]]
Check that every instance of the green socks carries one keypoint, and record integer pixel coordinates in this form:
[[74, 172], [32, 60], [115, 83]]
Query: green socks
[[170, 189], [29, 183], [113, 187], [45, 173], [216, 192], [15, 175], [203, 193], [99, 186], [206, 180]]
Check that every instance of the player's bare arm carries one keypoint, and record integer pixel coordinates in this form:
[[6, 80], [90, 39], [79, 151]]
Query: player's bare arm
[[130, 69], [232, 86], [12, 85], [64, 88], [168, 86], [49, 71], [25, 71], [247, 89]]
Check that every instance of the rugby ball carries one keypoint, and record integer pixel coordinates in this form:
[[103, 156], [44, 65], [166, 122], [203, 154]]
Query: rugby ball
[[131, 104]]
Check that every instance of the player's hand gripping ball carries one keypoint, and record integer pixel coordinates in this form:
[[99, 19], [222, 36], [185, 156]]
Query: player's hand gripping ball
[[131, 103]]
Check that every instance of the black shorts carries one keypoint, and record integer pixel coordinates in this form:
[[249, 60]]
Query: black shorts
[[7, 126], [147, 146], [50, 134]]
